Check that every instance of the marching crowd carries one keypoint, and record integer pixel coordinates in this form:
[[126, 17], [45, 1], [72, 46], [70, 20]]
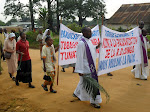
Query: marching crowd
[[18, 60]]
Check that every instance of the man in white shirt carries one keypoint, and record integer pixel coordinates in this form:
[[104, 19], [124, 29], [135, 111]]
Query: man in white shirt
[[141, 71], [82, 67]]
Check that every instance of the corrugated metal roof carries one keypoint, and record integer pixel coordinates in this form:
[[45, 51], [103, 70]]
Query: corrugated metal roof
[[131, 13]]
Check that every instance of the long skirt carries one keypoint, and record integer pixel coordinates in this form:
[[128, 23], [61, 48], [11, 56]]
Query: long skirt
[[24, 74], [12, 63]]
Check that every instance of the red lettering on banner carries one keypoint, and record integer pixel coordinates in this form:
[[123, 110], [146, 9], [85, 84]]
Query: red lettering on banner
[[112, 53], [97, 50], [68, 55], [95, 41], [117, 52], [107, 53], [105, 43], [68, 45], [110, 43], [62, 44], [62, 55]]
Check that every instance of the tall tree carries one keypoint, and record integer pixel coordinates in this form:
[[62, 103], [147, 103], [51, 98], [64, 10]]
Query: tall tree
[[19, 10], [83, 9], [31, 13], [50, 14], [58, 14], [43, 13]]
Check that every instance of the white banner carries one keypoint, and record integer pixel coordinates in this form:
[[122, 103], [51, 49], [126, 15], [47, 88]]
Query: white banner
[[118, 50], [68, 41]]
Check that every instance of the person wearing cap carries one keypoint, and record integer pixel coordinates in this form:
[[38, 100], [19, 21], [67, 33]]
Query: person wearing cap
[[10, 46]]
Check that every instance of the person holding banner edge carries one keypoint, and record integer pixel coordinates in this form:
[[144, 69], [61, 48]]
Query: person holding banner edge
[[141, 71], [85, 66], [141, 26]]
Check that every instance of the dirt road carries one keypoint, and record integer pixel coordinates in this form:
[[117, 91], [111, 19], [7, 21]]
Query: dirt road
[[125, 94]]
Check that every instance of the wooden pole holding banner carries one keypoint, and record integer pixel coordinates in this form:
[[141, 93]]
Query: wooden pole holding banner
[[58, 59], [137, 22], [102, 19]]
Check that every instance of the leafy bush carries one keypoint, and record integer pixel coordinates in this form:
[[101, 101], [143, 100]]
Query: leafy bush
[[31, 37], [75, 27], [56, 42], [120, 29]]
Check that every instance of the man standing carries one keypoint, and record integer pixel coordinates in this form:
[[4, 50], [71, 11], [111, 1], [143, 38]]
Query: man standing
[[6, 34], [141, 26], [39, 39], [141, 71], [85, 66]]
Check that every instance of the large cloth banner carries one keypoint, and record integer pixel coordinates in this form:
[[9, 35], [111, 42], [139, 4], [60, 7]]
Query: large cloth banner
[[68, 41], [118, 50]]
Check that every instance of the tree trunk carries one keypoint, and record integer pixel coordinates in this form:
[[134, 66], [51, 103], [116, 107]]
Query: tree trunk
[[50, 19], [58, 22], [31, 13], [80, 21]]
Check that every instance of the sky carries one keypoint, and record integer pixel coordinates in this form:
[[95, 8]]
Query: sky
[[111, 6]]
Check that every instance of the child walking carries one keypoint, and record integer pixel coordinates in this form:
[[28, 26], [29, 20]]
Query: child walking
[[49, 60]]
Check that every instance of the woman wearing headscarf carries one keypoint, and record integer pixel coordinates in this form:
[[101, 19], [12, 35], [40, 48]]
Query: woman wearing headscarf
[[10, 47], [24, 73], [45, 35]]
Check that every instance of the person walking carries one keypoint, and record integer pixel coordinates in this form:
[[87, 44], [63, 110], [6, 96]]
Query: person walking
[[24, 73], [10, 47]]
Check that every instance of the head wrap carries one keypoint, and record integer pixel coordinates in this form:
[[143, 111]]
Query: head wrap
[[45, 33], [11, 35]]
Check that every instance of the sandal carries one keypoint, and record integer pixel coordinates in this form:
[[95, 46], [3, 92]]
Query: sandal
[[53, 91], [31, 86], [44, 87], [10, 75], [95, 105], [13, 78], [17, 83]]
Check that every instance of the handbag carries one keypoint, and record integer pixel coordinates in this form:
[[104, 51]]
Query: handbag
[[7, 55], [47, 78]]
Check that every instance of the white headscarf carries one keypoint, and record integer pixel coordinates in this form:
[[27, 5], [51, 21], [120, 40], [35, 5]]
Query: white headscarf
[[11, 35], [45, 33]]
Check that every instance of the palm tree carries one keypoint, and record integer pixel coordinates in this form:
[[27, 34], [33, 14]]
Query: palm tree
[[43, 16]]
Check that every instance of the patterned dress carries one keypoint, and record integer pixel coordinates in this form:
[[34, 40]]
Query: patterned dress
[[48, 53]]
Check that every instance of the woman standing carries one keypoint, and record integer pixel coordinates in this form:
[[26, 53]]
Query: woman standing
[[10, 47], [24, 73]]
